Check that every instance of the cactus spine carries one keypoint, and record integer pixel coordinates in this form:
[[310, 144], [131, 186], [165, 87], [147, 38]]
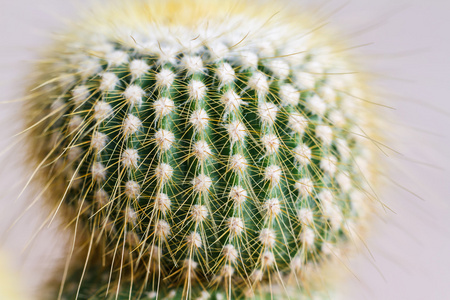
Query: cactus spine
[[204, 151]]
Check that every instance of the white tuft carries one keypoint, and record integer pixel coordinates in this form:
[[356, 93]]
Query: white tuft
[[101, 197], [165, 78], [58, 105], [238, 163], [248, 60], [56, 139], [266, 49], [108, 225], [343, 149], [132, 189], [296, 264], [360, 203], [218, 50], [227, 271], [80, 93], [267, 112], [257, 275], [340, 82], [267, 259], [199, 213], [335, 218], [231, 101], [155, 252], [329, 164], [325, 196], [162, 229], [316, 105], [272, 207], [102, 110], [258, 82], [164, 139], [190, 265], [201, 183], [133, 94], [226, 74], [237, 131], [74, 153], [201, 150], [171, 295], [98, 172], [328, 94], [75, 123], [163, 106], [238, 194], [305, 216], [89, 67], [305, 81], [116, 58], [304, 186], [199, 119], [230, 253], [193, 64], [103, 47], [131, 125], [236, 226], [108, 82], [307, 237], [273, 174], [267, 237], [220, 296], [196, 90], [271, 143], [99, 140], [279, 68], [65, 81], [344, 181], [337, 119], [138, 68], [204, 295], [327, 202], [162, 203], [166, 54], [297, 123], [163, 172], [130, 158], [132, 239], [194, 240], [302, 154], [289, 95], [131, 216], [325, 134]]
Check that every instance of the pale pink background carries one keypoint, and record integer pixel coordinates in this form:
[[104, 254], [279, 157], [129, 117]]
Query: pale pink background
[[410, 51]]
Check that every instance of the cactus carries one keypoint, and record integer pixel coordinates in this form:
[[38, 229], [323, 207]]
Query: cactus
[[203, 150]]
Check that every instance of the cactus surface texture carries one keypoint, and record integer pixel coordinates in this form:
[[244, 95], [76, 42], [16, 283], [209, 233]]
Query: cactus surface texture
[[203, 150]]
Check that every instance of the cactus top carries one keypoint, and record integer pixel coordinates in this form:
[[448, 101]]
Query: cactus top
[[212, 149]]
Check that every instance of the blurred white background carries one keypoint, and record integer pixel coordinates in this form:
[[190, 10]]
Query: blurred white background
[[407, 45]]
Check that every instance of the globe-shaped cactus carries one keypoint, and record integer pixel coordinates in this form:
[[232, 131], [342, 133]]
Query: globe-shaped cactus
[[205, 150]]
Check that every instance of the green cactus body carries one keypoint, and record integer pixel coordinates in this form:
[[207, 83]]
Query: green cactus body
[[208, 172]]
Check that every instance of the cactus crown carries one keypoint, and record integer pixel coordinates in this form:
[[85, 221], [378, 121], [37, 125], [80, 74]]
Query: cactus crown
[[209, 152]]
